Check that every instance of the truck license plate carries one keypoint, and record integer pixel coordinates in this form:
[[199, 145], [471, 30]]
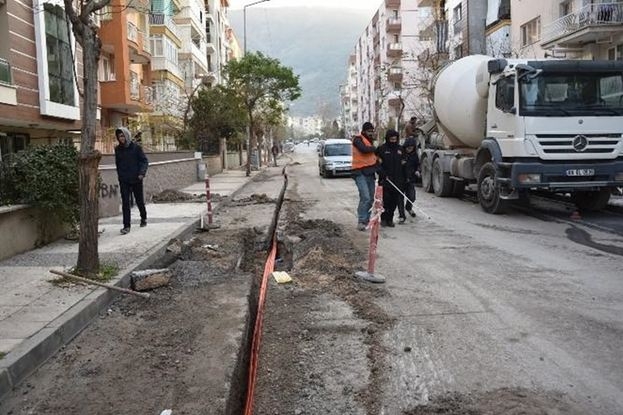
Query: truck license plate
[[581, 172]]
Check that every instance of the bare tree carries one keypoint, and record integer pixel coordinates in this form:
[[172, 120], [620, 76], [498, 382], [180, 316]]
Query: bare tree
[[81, 15]]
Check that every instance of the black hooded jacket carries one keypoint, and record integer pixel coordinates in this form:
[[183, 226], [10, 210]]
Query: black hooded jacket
[[391, 162], [412, 161], [130, 160]]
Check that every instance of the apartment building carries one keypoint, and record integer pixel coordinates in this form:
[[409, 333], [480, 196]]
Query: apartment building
[[349, 100], [498, 29], [39, 99], [571, 29], [125, 63], [380, 87]]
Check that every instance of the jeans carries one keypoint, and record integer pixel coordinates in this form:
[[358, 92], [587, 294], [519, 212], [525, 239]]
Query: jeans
[[365, 186], [137, 190]]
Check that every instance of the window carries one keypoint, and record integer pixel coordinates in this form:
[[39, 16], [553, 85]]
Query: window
[[505, 93], [458, 52], [615, 53], [5, 72], [565, 8], [457, 13], [107, 68], [60, 59], [531, 32], [12, 143]]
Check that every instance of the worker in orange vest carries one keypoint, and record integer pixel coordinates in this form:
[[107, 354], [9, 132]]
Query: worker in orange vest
[[363, 171]]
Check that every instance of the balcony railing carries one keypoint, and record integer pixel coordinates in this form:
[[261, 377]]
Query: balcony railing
[[394, 49], [135, 86], [591, 15], [146, 43], [394, 24], [5, 72], [161, 19], [132, 32]]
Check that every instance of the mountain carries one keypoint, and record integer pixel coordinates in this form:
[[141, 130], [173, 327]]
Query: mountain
[[314, 42]]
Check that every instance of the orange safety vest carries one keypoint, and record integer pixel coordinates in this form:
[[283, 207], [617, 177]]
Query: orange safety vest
[[362, 160]]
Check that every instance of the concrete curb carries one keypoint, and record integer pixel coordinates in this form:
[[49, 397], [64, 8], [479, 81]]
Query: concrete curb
[[22, 361]]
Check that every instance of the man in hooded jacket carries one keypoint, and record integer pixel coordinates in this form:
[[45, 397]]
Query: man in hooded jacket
[[131, 170], [411, 166], [391, 168]]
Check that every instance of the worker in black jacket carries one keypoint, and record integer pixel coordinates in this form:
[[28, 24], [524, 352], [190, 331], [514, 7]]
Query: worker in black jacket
[[411, 167], [131, 170], [391, 169]]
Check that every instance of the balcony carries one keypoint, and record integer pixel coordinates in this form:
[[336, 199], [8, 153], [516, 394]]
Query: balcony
[[139, 45], [589, 24], [392, 4], [394, 50], [395, 74], [394, 24], [160, 63], [191, 51], [167, 23], [210, 48], [426, 3], [189, 15]]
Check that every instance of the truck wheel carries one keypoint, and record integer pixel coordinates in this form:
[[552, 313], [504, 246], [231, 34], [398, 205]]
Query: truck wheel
[[442, 184], [488, 192], [427, 182], [591, 201]]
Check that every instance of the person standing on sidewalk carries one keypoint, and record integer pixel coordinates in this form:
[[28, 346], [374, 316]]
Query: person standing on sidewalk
[[411, 166], [132, 167], [391, 168], [363, 172], [275, 151]]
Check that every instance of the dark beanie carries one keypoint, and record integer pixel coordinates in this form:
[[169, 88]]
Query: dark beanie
[[391, 133], [367, 126]]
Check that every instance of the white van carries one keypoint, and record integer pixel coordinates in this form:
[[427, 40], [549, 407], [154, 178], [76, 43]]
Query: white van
[[335, 157]]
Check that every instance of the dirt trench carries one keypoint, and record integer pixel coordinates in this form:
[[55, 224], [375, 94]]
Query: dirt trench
[[321, 325], [144, 356]]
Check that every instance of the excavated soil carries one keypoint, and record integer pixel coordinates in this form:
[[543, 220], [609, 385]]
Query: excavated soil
[[501, 401], [144, 356]]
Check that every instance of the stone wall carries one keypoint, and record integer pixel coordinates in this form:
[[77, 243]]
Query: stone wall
[[23, 228], [172, 174]]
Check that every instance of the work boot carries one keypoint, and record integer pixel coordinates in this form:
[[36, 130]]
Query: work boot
[[143, 223], [391, 224], [401, 220], [384, 223], [412, 213], [125, 231], [361, 226]]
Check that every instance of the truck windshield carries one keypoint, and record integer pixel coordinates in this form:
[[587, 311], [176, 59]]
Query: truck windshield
[[572, 94], [337, 150]]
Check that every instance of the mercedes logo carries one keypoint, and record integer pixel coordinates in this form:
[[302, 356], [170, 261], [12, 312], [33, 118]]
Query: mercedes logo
[[580, 143]]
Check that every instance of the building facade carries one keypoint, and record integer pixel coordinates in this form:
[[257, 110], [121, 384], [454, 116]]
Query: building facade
[[381, 84], [155, 54], [40, 75]]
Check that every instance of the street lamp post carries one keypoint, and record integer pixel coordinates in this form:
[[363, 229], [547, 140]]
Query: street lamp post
[[244, 18]]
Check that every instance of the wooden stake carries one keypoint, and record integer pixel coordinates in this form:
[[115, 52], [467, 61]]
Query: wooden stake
[[88, 281]]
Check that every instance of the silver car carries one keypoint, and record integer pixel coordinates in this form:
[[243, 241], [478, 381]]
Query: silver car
[[335, 157]]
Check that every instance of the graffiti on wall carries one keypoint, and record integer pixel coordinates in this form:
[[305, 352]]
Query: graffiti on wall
[[109, 191]]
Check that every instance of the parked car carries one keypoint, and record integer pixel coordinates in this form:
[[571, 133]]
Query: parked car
[[335, 157]]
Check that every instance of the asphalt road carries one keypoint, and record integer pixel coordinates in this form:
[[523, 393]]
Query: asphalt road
[[530, 299]]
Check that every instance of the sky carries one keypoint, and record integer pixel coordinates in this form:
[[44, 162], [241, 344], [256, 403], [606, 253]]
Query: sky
[[371, 5]]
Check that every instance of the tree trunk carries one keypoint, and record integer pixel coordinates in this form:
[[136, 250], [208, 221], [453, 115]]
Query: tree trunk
[[88, 255]]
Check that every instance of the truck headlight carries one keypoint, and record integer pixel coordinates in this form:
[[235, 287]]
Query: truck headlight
[[529, 178], [618, 177]]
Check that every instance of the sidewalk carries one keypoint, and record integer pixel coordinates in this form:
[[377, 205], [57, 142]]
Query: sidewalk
[[37, 317]]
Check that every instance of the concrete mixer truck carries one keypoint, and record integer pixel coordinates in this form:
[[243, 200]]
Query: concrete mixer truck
[[512, 126]]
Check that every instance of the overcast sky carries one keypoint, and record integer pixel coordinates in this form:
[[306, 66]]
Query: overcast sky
[[371, 5]]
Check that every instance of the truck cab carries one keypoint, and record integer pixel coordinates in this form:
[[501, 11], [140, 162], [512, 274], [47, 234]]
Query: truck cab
[[525, 125]]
